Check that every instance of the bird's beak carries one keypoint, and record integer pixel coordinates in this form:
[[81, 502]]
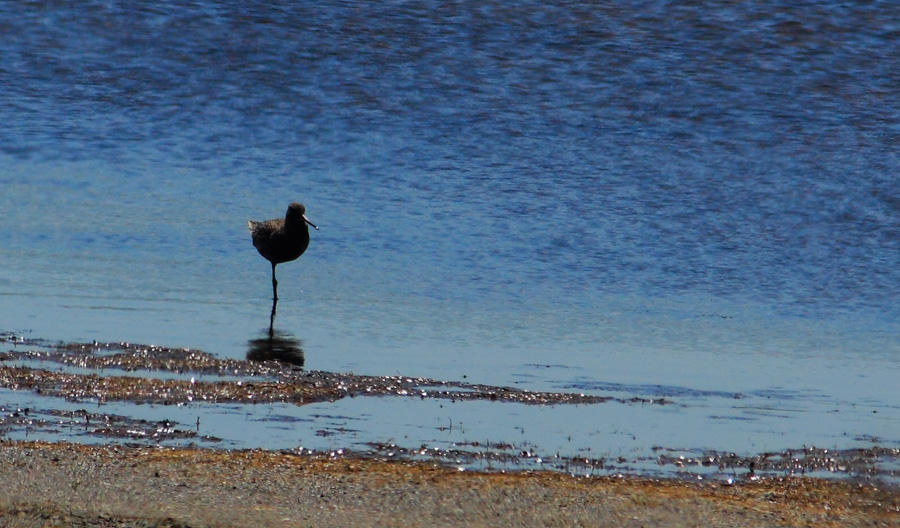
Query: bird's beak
[[310, 223]]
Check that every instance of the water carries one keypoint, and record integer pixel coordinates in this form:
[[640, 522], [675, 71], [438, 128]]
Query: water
[[653, 198]]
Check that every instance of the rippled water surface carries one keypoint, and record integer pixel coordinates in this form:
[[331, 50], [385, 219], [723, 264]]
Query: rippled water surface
[[652, 198]]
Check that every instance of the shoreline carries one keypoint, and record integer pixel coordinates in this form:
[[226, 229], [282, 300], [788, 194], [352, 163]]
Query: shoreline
[[122, 486], [99, 393]]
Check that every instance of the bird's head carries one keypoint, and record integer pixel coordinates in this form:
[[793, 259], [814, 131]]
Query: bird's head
[[297, 213]]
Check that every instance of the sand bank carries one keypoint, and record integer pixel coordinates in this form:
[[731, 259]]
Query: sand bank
[[77, 485]]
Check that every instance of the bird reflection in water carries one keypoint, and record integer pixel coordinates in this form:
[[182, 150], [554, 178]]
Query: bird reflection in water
[[276, 345]]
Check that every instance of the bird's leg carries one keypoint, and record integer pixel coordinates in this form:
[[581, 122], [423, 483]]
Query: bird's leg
[[272, 321], [274, 284]]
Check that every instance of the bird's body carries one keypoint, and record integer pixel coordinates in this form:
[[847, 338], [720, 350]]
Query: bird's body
[[282, 240], [279, 241]]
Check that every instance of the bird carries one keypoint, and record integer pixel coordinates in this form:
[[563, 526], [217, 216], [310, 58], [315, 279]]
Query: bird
[[282, 240]]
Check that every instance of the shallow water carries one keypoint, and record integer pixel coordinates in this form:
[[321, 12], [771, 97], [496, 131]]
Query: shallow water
[[697, 201]]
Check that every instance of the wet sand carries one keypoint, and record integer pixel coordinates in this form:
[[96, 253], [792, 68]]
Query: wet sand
[[130, 484], [95, 374], [262, 381], [118, 486]]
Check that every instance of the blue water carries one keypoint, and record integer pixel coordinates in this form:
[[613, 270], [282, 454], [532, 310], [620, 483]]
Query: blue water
[[660, 198]]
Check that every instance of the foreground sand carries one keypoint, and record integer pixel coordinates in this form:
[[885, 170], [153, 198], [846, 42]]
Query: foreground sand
[[74, 485]]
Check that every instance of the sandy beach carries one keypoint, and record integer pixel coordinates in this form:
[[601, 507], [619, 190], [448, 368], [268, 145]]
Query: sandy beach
[[118, 486], [133, 482]]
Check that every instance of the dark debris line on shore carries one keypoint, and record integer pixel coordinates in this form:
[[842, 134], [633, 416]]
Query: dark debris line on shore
[[250, 382]]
